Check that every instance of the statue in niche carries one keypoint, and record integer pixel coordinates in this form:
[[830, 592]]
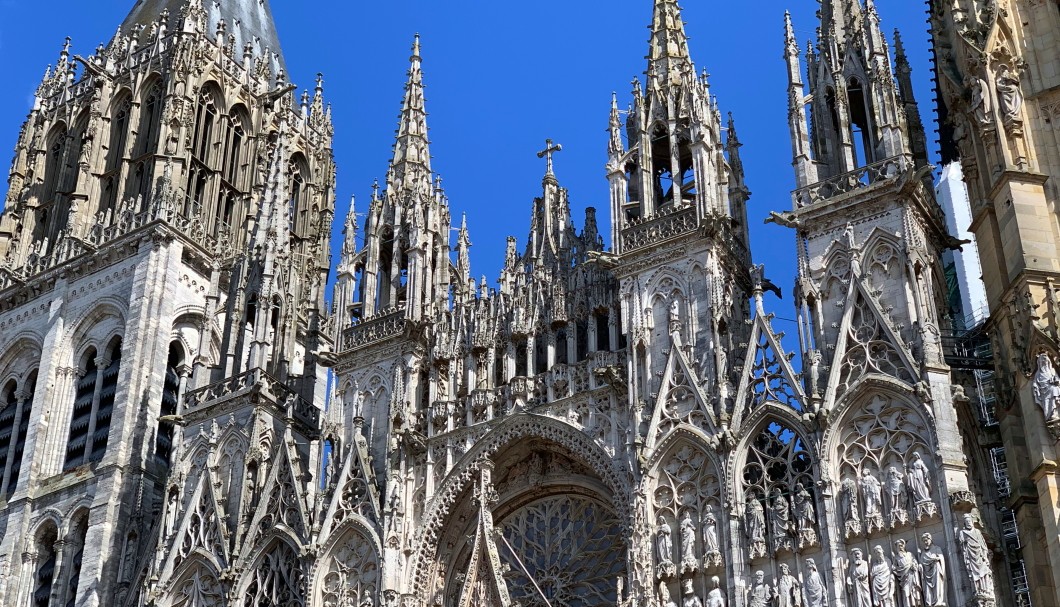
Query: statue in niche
[[805, 518], [780, 520], [755, 526], [976, 556], [896, 496], [760, 593], [664, 596], [787, 588], [1009, 95], [849, 499], [715, 598], [933, 570], [711, 550], [882, 576], [858, 580], [871, 494], [1047, 388], [675, 315], [690, 599], [906, 575], [665, 544], [814, 588], [689, 560], [920, 487], [980, 106]]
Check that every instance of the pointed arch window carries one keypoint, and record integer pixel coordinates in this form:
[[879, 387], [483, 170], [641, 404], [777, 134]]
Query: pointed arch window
[[76, 547], [304, 217], [53, 167], [97, 385], [277, 581], [44, 572], [171, 389], [119, 139], [203, 156], [232, 189], [16, 402], [140, 181]]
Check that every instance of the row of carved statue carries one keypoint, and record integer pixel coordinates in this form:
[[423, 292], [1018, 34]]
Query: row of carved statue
[[869, 505]]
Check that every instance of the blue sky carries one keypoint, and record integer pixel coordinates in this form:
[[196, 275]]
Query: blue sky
[[501, 78]]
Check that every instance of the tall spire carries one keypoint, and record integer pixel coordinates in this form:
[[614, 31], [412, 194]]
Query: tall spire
[[250, 21], [668, 56], [411, 166]]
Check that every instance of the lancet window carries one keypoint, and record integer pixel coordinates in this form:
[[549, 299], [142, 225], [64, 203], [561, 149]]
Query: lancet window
[[233, 160], [76, 547], [16, 402], [170, 398], [140, 181], [299, 195], [203, 155], [119, 138], [277, 581], [93, 404], [45, 564]]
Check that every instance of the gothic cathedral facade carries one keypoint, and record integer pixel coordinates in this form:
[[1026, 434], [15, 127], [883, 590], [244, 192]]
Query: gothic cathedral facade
[[185, 421]]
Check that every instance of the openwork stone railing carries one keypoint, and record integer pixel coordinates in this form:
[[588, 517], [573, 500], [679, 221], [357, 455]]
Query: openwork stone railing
[[254, 381], [884, 170], [389, 323], [665, 224]]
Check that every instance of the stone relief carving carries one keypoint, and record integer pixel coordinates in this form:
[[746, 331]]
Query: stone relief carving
[[1009, 95], [352, 576]]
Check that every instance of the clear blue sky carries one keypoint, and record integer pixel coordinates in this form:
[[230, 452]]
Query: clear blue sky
[[501, 77]]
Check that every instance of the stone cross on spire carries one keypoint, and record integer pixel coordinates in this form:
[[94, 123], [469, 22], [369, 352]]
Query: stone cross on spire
[[550, 149]]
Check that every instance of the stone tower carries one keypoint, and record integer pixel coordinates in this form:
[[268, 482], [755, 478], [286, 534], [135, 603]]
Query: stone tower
[[998, 105], [164, 254]]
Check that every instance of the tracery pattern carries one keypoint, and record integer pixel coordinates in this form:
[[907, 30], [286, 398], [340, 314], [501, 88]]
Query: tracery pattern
[[886, 469], [688, 488], [679, 404], [766, 379], [278, 580], [778, 478], [200, 589], [352, 577], [202, 530], [567, 543], [869, 350]]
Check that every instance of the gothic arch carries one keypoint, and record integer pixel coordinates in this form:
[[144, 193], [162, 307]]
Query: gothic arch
[[766, 419], [20, 357], [508, 432], [349, 570], [96, 324], [197, 584], [276, 578]]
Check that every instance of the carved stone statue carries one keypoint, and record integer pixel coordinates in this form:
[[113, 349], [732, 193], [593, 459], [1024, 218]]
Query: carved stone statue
[[976, 556], [787, 588], [689, 560], [871, 494], [896, 496], [906, 575], [690, 599], [980, 105], [780, 520], [711, 550], [1047, 387], [755, 526], [760, 593], [1009, 95], [858, 580], [882, 579], [715, 598], [675, 316], [920, 486], [933, 570], [814, 588], [664, 543], [805, 517], [849, 500]]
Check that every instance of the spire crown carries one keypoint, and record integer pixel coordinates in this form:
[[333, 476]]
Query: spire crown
[[668, 57], [411, 165]]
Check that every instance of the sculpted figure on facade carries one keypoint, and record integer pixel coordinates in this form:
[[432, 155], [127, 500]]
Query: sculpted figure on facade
[[780, 524], [976, 556], [933, 572], [1009, 94], [896, 496], [981, 106], [858, 580], [711, 548], [664, 543], [715, 598], [755, 526], [813, 588], [872, 498], [848, 495], [689, 596], [1047, 388], [664, 596], [907, 576], [760, 593], [920, 487], [805, 517], [882, 577], [787, 588], [689, 560]]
